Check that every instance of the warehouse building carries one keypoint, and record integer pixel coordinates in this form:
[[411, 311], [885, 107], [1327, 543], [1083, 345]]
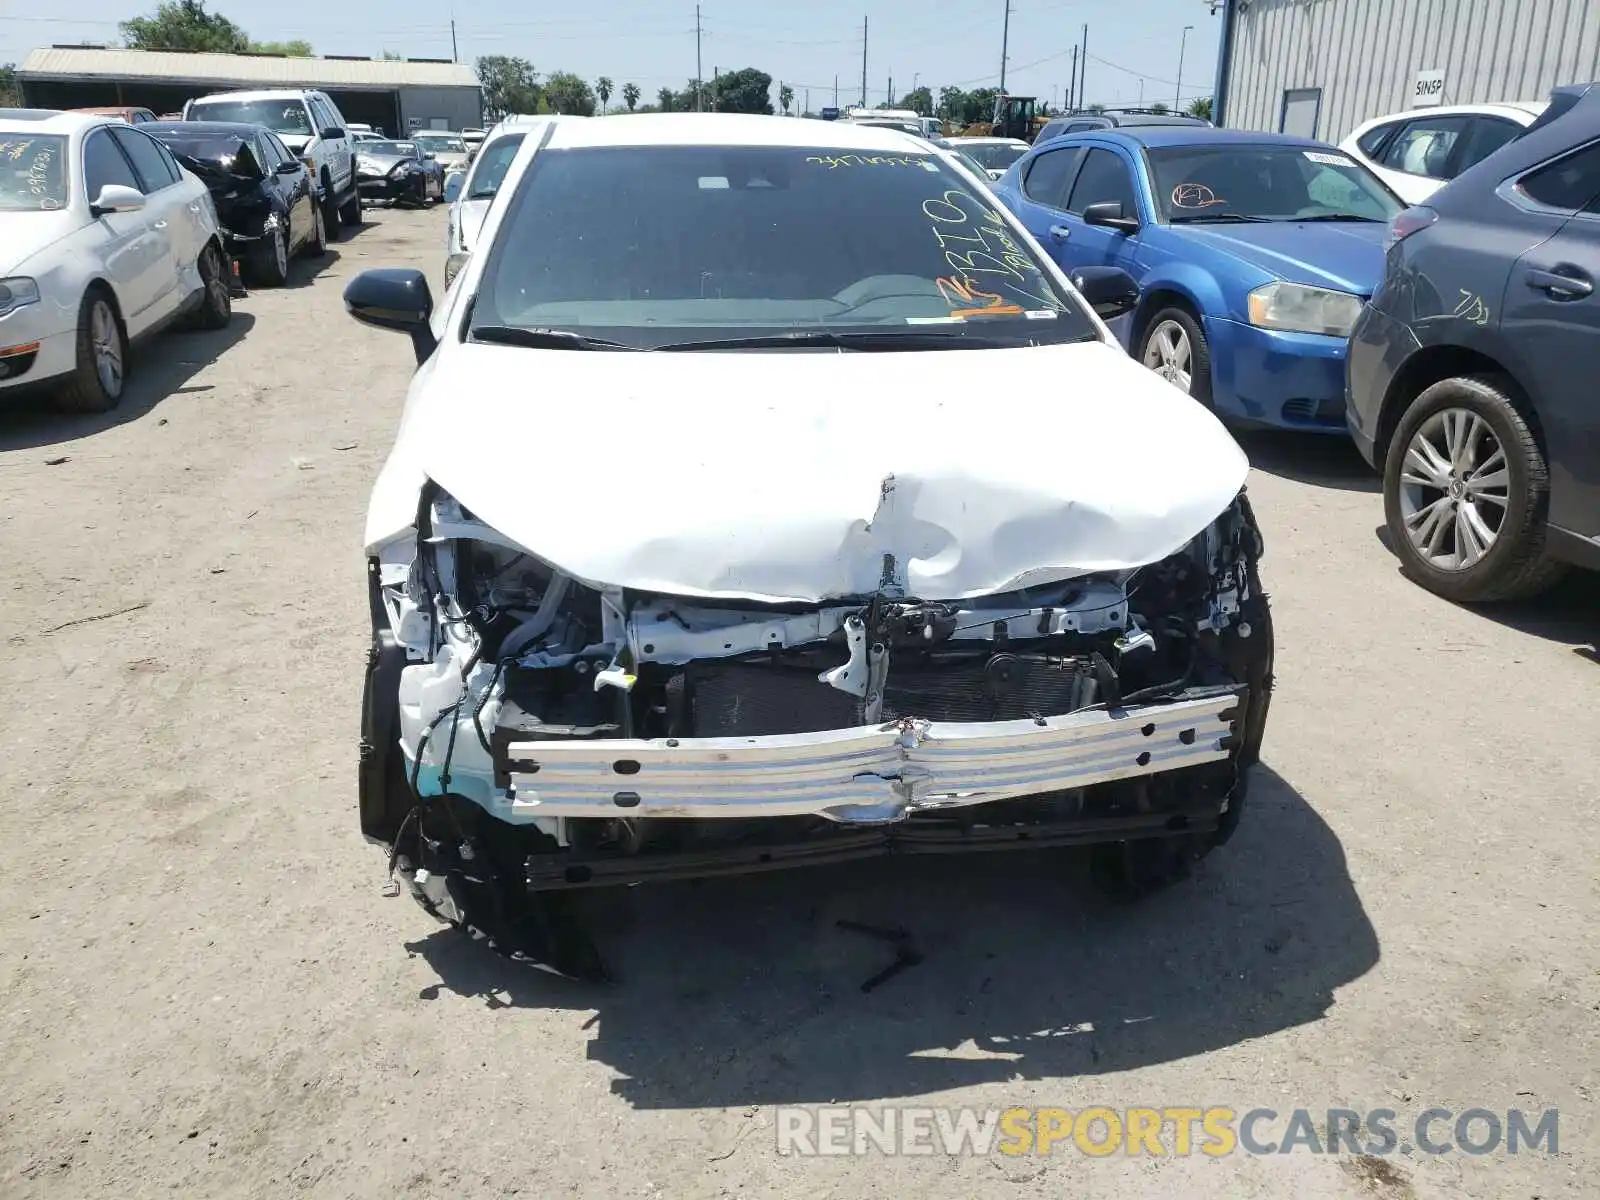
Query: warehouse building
[[388, 95], [1319, 68]]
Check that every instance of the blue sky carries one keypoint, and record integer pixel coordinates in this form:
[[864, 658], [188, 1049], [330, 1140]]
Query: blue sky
[[1133, 45]]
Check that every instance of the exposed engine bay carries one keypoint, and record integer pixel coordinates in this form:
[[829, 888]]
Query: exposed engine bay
[[526, 733]]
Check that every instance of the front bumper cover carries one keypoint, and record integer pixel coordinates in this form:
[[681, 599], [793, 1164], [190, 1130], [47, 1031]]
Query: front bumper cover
[[874, 775]]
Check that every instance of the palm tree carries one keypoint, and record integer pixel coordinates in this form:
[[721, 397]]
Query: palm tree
[[602, 88], [785, 98], [664, 99], [1201, 108], [630, 95]]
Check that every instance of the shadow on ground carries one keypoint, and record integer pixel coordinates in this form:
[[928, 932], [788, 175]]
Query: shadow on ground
[[1568, 613], [159, 368], [735, 992], [1319, 459]]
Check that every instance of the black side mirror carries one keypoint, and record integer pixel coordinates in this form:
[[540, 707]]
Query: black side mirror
[[394, 298], [1110, 291], [1109, 214], [332, 133]]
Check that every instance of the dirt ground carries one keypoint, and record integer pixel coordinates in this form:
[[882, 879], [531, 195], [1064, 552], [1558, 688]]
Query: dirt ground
[[205, 992]]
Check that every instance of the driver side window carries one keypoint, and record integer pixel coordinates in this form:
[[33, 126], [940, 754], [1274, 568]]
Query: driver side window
[[104, 164], [1104, 178]]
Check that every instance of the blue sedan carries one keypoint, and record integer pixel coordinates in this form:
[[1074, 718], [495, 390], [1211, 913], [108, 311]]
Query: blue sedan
[[1254, 253]]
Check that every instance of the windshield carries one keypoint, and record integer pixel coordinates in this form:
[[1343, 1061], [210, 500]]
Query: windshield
[[203, 145], [440, 141], [397, 149], [1271, 183], [280, 116], [668, 244], [494, 160], [33, 174], [995, 155]]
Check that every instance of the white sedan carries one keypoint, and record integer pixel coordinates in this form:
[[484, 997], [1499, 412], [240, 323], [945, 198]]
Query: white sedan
[[993, 154], [771, 594], [1419, 151], [104, 240], [476, 189]]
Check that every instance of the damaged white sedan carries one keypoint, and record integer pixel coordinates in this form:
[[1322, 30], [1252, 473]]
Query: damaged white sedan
[[764, 497]]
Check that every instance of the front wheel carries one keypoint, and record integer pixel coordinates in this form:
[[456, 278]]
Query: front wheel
[[270, 257], [1175, 348], [350, 211], [96, 382], [1465, 494], [318, 245], [330, 211]]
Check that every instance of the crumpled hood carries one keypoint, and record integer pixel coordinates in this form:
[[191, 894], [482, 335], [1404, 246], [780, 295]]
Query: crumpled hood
[[800, 476], [381, 164], [24, 234], [1346, 256]]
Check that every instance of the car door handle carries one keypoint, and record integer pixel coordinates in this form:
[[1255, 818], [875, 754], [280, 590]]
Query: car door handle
[[1059, 233], [1559, 285]]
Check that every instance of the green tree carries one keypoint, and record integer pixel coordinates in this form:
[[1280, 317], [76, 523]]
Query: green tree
[[509, 85], [391, 56], [298, 48], [665, 99], [567, 93], [744, 91], [185, 25], [1097, 108], [630, 96], [602, 87], [1158, 107], [10, 93], [952, 104], [786, 98], [920, 101], [1201, 107], [980, 104]]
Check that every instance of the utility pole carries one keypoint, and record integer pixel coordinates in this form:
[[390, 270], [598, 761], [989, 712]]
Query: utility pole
[[1072, 88], [836, 90], [808, 102], [891, 91], [454, 57], [1005, 46], [697, 67], [863, 62], [1083, 71], [1177, 99]]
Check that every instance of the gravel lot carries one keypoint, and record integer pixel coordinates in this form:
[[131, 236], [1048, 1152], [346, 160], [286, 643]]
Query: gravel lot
[[205, 992]]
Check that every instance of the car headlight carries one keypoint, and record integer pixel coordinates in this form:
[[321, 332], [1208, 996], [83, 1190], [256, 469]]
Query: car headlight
[[16, 292], [1296, 308]]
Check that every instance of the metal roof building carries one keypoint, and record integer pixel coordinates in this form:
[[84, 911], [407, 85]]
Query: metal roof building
[[393, 95], [1319, 68]]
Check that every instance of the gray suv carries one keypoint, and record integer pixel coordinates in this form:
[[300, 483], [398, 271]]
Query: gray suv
[[1111, 118], [1472, 373]]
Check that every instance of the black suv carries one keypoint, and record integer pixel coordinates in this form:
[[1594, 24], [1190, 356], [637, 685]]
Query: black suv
[[1112, 118], [1473, 375]]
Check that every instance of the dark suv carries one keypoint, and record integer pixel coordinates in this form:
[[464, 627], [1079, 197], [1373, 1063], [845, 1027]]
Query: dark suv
[[1473, 375], [1112, 118]]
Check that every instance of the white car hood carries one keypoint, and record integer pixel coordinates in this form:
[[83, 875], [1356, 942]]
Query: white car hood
[[797, 476], [24, 234]]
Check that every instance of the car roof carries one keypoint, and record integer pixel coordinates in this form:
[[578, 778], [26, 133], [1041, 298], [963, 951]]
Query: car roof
[[233, 128], [45, 120], [1528, 109], [1156, 136], [262, 94], [732, 129], [984, 141]]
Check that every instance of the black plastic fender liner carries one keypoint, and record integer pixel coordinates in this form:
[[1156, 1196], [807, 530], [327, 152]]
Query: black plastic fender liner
[[383, 795]]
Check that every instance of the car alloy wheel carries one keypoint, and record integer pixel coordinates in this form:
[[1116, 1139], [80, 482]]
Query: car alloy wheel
[[280, 251], [1455, 489], [106, 339], [1168, 353]]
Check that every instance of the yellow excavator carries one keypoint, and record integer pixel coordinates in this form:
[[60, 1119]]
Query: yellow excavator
[[1014, 117]]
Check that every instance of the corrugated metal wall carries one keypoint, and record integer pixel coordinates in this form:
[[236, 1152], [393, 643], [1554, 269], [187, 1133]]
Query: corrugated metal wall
[[1365, 54]]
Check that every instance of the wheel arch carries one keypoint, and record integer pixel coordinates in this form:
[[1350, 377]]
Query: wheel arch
[[1433, 364], [1189, 289], [99, 283]]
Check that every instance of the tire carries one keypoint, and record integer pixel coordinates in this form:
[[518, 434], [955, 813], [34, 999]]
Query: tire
[[269, 259], [216, 301], [1171, 330], [330, 211], [1463, 527], [93, 386], [317, 244], [350, 211]]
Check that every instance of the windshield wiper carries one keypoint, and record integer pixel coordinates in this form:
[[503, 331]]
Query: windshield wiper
[[1339, 217], [1216, 219], [544, 339], [925, 339]]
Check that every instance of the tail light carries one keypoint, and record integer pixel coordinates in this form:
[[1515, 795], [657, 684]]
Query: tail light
[[1412, 220]]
